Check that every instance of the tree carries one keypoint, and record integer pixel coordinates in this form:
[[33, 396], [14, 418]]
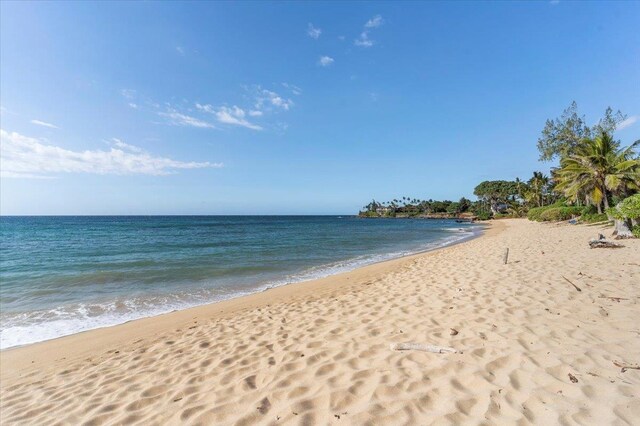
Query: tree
[[598, 169], [453, 208], [537, 186], [562, 136], [464, 204], [496, 192]]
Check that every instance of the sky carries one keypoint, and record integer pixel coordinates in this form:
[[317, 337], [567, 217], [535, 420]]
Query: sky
[[297, 107]]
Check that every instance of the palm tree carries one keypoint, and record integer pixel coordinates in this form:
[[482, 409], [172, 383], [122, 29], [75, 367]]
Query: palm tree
[[538, 185], [599, 169]]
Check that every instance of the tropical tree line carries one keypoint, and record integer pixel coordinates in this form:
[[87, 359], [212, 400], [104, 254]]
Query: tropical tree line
[[408, 206], [594, 173]]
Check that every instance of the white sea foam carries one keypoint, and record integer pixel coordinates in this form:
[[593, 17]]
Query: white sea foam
[[36, 326]]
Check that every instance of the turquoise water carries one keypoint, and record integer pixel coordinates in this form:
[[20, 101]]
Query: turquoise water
[[63, 275]]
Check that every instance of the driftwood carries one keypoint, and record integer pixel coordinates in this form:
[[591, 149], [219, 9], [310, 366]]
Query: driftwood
[[422, 347], [506, 256], [615, 299], [575, 286], [626, 367], [603, 244]]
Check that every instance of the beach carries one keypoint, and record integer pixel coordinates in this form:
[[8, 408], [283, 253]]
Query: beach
[[541, 339]]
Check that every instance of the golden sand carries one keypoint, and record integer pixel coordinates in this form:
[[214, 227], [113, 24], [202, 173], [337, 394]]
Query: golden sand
[[534, 348]]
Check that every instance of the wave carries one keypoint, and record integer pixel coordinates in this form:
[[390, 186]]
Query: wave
[[35, 326]]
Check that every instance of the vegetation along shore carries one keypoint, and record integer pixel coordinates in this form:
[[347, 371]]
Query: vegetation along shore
[[594, 180]]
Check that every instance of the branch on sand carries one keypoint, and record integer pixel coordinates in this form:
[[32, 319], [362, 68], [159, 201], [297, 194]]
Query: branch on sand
[[601, 242], [576, 287], [626, 367], [422, 347]]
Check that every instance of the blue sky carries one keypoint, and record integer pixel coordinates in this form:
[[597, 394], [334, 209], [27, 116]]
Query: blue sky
[[293, 108]]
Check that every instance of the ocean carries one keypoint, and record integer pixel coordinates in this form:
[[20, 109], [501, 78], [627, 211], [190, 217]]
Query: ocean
[[63, 275]]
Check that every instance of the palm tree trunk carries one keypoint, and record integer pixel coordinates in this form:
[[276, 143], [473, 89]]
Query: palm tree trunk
[[605, 200]]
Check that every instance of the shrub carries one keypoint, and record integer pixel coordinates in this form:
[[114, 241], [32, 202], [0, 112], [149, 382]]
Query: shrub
[[368, 214], [636, 231], [589, 210], [555, 214], [501, 215], [593, 217], [483, 215], [534, 213], [629, 208]]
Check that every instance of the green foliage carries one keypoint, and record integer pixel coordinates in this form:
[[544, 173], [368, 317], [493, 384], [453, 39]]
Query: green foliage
[[368, 213], [503, 215], [453, 208], [561, 136], [465, 204], [554, 212], [636, 231], [535, 213], [598, 169], [483, 215], [593, 217], [629, 208], [498, 190]]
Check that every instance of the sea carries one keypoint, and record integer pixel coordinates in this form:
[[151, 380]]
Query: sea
[[61, 275]]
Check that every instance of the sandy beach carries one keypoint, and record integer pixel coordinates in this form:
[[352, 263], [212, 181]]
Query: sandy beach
[[532, 347]]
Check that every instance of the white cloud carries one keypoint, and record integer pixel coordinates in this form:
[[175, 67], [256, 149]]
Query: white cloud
[[325, 61], [206, 108], [374, 22], [125, 146], [233, 115], [180, 50], [628, 122], [128, 93], [363, 40], [313, 32], [267, 98], [26, 157], [44, 124], [133, 105], [178, 119], [254, 113], [293, 88]]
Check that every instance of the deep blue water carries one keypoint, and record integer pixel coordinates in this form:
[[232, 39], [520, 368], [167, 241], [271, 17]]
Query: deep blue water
[[62, 275]]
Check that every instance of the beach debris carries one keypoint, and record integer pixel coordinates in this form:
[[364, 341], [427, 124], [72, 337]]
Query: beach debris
[[454, 332], [575, 286], [602, 242], [506, 256], [615, 299], [573, 378], [626, 367], [422, 347]]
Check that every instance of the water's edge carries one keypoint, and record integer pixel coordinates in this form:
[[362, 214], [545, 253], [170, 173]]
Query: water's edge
[[475, 233]]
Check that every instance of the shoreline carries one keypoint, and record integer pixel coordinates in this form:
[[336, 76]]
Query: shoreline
[[110, 334], [475, 233], [531, 347]]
